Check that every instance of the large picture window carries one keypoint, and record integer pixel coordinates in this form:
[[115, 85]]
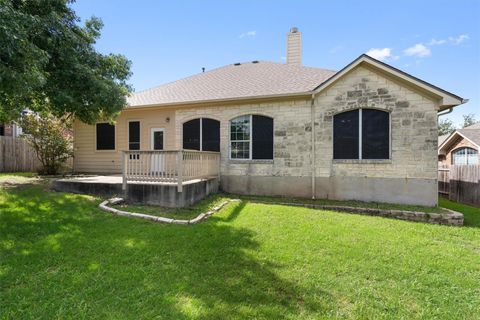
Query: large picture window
[[251, 137], [464, 156], [361, 134], [201, 134], [105, 136]]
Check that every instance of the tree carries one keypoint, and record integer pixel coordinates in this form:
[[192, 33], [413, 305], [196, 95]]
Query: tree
[[469, 119], [445, 126], [50, 137], [47, 60]]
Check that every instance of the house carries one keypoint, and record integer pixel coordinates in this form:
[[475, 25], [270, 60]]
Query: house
[[10, 130], [367, 132], [461, 147]]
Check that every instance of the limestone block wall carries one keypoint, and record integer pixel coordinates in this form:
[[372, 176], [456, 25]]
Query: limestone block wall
[[413, 127], [292, 136]]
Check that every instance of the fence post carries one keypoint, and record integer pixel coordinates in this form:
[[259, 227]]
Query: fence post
[[124, 172], [180, 170]]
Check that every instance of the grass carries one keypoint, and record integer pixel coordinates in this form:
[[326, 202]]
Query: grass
[[175, 213], [60, 257]]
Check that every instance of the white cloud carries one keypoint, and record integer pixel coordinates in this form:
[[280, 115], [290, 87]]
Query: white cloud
[[248, 34], [435, 42], [283, 58], [461, 38], [450, 40], [380, 54], [418, 50]]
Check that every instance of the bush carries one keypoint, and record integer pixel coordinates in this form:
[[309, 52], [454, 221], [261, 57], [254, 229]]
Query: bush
[[51, 138]]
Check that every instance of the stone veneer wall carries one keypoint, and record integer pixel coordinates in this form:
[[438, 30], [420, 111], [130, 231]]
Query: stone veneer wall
[[408, 177]]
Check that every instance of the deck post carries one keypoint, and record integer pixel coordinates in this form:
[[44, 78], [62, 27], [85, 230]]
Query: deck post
[[124, 172], [180, 170]]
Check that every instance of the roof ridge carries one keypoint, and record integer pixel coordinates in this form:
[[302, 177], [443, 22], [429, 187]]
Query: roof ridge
[[230, 65]]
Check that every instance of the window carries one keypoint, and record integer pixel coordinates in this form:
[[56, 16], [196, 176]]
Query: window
[[251, 137], [134, 135], [361, 134], [464, 156], [201, 134], [2, 130], [105, 136]]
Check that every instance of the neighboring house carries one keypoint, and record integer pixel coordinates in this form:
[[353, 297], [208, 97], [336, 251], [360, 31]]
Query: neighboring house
[[461, 147], [10, 130], [366, 132]]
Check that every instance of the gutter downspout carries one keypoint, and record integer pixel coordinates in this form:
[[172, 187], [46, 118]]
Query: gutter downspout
[[312, 110]]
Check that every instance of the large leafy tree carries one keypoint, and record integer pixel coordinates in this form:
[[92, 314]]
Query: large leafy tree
[[48, 63], [445, 126], [468, 120]]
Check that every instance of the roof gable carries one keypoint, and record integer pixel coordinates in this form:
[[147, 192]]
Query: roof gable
[[472, 135], [446, 99]]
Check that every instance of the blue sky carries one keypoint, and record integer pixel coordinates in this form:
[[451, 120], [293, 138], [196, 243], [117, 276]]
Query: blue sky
[[437, 41]]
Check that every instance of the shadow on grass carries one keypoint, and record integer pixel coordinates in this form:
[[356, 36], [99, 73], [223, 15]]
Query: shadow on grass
[[65, 258]]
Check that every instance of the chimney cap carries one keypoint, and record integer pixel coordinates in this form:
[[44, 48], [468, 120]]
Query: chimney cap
[[293, 30]]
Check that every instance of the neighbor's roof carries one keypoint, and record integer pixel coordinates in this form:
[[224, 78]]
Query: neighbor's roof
[[471, 133], [442, 138], [260, 79]]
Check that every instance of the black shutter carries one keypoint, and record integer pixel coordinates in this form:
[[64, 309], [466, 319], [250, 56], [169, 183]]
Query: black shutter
[[262, 137], [375, 134], [105, 136], [191, 135], [345, 135], [210, 135], [134, 135]]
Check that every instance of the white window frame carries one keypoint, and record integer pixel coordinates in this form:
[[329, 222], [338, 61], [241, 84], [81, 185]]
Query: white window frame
[[114, 138], [250, 117], [152, 131], [140, 134], [360, 134], [465, 155]]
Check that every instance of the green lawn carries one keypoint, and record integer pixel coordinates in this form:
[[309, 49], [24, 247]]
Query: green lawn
[[61, 257]]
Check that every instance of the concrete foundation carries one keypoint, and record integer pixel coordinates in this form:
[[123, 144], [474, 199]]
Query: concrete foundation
[[165, 195], [389, 190]]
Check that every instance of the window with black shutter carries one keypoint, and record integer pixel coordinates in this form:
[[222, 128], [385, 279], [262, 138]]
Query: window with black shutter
[[251, 137], [361, 134], [375, 134], [191, 135], [105, 136], [134, 135], [345, 135], [210, 135], [201, 134], [262, 137]]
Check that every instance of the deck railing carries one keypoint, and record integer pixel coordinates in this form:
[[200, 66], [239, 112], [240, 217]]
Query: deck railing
[[161, 166]]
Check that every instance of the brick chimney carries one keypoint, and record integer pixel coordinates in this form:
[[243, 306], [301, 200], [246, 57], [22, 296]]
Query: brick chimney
[[294, 47]]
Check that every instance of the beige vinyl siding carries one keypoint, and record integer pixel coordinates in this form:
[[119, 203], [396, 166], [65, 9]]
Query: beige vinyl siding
[[89, 160]]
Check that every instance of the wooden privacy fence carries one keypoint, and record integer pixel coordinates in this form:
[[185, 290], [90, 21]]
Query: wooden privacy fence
[[16, 155], [460, 183], [161, 166]]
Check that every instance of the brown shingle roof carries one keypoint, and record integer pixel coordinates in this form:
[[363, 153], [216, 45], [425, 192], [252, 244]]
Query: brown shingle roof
[[472, 134], [235, 81]]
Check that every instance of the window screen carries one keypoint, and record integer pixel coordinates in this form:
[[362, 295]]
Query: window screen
[[262, 137], [191, 135], [134, 135], [375, 134], [210, 135], [105, 136], [158, 140], [345, 135]]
